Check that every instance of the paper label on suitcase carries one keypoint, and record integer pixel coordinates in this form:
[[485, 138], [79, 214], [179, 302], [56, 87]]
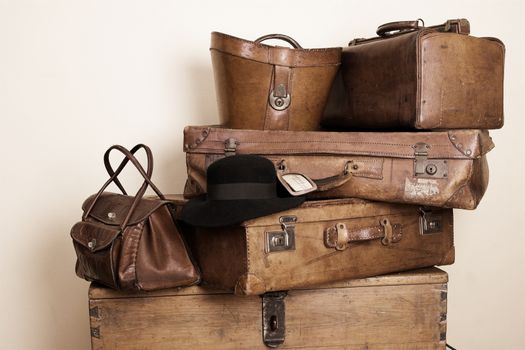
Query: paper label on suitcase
[[297, 184]]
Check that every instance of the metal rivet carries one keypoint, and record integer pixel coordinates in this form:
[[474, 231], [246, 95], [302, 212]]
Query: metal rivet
[[355, 166], [112, 216], [92, 244], [468, 152], [452, 137], [460, 145]]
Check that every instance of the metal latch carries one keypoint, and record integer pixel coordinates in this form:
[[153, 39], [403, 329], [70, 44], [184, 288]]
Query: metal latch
[[430, 221], [428, 168], [273, 316], [230, 146], [277, 241], [279, 98]]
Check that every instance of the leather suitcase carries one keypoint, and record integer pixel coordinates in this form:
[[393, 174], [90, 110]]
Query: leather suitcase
[[400, 311], [271, 87], [321, 242], [412, 76], [442, 169]]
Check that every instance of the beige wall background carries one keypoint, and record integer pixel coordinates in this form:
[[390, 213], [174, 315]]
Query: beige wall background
[[79, 76]]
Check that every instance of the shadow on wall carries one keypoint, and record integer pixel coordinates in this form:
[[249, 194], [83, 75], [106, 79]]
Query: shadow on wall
[[170, 164], [203, 104]]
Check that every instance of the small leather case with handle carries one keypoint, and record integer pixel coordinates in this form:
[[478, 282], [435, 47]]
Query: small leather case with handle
[[131, 242], [416, 77]]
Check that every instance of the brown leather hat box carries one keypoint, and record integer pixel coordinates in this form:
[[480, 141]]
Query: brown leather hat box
[[271, 87]]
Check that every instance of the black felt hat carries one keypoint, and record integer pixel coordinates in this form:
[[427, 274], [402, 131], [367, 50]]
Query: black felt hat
[[240, 188]]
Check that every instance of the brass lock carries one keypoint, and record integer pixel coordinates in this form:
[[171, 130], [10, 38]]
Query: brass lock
[[279, 99]]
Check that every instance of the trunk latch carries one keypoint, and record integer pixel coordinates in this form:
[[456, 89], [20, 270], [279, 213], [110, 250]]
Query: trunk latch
[[428, 168], [273, 318], [277, 241]]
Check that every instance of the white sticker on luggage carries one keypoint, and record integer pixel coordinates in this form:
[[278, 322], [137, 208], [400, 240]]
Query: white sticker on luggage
[[421, 188]]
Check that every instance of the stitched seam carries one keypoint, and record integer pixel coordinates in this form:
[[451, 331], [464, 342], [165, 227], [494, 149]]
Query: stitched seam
[[328, 142], [272, 63], [136, 251]]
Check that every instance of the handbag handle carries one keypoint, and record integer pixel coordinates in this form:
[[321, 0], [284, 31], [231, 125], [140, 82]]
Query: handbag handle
[[283, 37], [142, 190], [400, 26], [110, 170]]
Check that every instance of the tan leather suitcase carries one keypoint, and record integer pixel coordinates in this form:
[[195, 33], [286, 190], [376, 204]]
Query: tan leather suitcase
[[271, 87], [401, 311], [442, 169], [321, 242], [413, 76]]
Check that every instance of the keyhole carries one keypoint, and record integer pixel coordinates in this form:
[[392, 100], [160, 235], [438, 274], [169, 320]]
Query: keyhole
[[431, 169], [279, 102], [273, 323]]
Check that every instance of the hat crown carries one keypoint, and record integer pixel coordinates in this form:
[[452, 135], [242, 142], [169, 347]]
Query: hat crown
[[241, 169]]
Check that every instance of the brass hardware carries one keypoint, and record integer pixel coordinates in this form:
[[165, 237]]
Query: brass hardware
[[273, 318], [95, 332], [230, 146], [94, 312], [92, 244], [277, 241], [428, 168], [112, 216], [279, 99], [430, 221], [389, 234]]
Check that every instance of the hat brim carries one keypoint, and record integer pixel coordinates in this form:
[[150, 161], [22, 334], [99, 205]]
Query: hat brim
[[202, 212]]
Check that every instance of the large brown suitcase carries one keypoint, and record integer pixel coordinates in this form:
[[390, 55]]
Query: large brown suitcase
[[412, 76], [271, 87], [442, 169], [401, 311], [321, 242]]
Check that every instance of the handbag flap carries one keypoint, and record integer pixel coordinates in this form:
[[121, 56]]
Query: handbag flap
[[454, 144], [112, 208], [94, 236]]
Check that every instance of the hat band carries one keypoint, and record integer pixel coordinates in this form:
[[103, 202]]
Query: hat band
[[242, 190]]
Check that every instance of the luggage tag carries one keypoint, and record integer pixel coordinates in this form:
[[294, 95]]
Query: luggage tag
[[297, 184]]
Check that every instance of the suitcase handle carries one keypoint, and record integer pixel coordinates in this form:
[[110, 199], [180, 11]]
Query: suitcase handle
[[400, 26], [326, 183], [459, 26], [282, 37], [339, 236]]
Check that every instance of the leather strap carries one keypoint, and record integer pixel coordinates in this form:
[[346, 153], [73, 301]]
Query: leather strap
[[142, 190], [339, 236], [110, 170], [280, 88]]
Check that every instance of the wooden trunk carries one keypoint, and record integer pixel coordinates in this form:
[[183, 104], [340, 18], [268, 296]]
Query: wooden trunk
[[398, 311]]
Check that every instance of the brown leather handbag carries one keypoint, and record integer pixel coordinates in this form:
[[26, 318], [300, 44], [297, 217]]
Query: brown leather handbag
[[417, 77], [131, 242], [271, 87]]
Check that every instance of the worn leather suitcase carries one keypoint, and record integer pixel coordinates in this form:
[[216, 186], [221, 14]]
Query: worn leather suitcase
[[442, 169], [412, 76], [400, 311], [321, 242], [271, 87]]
